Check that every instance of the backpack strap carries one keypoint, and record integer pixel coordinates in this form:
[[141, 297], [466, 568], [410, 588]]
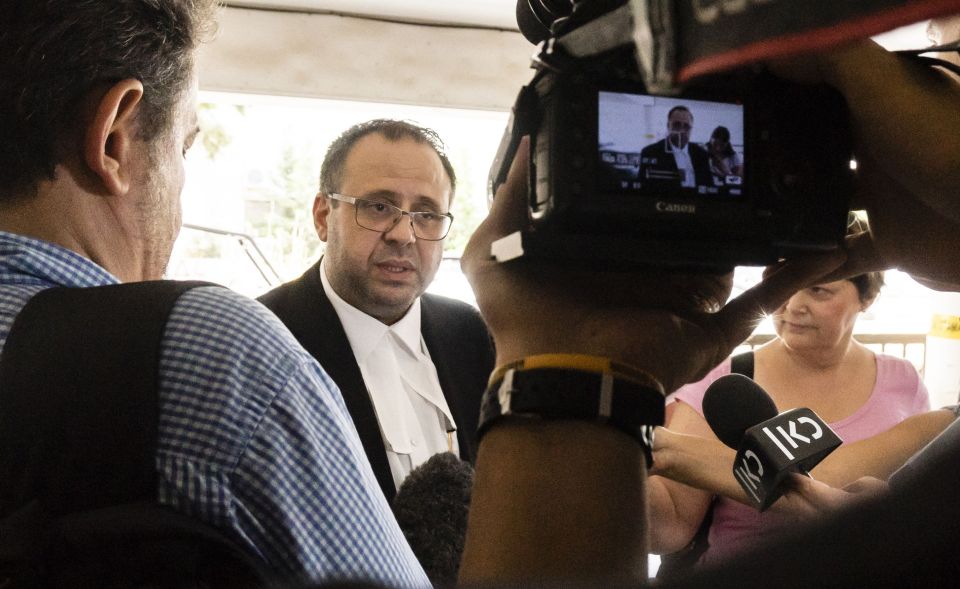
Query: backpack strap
[[79, 378], [78, 396], [742, 364]]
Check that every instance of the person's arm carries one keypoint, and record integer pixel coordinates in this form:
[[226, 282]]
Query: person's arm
[[556, 500], [808, 499], [907, 134], [562, 501], [698, 461], [905, 120], [879, 456], [737, 165], [706, 463], [676, 509]]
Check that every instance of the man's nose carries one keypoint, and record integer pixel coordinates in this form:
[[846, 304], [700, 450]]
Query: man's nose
[[402, 231]]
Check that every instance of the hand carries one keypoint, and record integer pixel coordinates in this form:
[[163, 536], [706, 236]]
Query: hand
[[808, 498], [907, 235], [908, 154], [672, 325]]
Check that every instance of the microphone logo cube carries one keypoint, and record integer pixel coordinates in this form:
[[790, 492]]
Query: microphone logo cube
[[794, 441]]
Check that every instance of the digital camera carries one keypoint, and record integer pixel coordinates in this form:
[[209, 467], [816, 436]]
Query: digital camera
[[742, 168]]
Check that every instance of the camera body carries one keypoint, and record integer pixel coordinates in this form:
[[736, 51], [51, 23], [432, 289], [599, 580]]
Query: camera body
[[620, 178]]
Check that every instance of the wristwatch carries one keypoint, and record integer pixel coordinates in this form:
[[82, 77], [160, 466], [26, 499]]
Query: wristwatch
[[574, 386]]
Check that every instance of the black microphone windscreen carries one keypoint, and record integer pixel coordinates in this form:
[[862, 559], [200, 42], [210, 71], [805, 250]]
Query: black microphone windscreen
[[528, 23], [535, 17], [431, 507], [732, 404]]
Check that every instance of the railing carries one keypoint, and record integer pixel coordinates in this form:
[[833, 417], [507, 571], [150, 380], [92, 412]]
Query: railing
[[249, 246], [910, 346]]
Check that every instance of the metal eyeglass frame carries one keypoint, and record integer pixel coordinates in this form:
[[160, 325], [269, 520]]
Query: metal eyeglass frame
[[412, 214]]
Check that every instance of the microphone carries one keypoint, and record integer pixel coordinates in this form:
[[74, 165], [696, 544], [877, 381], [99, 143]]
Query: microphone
[[431, 507], [733, 404], [770, 446]]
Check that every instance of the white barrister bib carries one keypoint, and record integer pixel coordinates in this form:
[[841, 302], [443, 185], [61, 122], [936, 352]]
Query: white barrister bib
[[401, 379]]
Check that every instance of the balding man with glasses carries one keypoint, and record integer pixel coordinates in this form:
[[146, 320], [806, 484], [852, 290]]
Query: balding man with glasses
[[411, 367], [674, 162]]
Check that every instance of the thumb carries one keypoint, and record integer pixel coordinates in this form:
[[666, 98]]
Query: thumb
[[508, 213], [739, 317], [862, 257]]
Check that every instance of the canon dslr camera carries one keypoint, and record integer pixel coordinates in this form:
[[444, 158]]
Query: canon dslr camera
[[738, 169]]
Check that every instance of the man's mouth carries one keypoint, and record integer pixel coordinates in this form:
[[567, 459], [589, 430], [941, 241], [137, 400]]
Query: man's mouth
[[396, 267]]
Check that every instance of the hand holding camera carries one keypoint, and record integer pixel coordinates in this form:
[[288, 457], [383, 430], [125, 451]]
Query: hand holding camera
[[673, 325]]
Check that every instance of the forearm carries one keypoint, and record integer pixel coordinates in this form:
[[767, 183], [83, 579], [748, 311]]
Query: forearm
[[556, 501], [673, 522], [880, 455], [699, 462], [893, 96]]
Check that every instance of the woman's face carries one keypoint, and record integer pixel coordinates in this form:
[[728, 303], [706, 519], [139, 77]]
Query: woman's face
[[820, 317]]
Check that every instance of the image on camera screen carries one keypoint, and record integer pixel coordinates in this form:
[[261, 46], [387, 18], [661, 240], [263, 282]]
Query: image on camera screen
[[669, 146]]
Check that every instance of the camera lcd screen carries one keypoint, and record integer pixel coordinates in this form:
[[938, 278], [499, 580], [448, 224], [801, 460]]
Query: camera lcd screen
[[669, 146]]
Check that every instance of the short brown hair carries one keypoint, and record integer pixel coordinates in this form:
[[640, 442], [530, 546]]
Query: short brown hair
[[331, 171], [56, 52]]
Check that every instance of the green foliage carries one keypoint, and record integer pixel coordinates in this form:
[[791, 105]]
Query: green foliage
[[467, 214], [286, 220], [214, 136]]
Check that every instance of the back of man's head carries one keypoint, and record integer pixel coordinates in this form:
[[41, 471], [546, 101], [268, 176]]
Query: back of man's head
[[332, 169], [59, 54]]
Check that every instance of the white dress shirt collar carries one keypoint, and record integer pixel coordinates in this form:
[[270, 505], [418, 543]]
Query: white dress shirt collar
[[364, 331]]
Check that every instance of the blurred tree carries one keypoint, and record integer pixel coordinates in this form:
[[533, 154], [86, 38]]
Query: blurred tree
[[467, 213], [214, 136], [286, 223]]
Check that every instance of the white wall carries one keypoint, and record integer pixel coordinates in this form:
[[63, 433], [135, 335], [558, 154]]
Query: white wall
[[340, 57]]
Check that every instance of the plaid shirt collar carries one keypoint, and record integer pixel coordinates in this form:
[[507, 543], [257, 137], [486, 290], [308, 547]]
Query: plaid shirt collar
[[25, 260]]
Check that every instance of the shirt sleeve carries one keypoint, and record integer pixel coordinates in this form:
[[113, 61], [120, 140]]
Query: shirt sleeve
[[255, 439], [305, 495], [692, 394]]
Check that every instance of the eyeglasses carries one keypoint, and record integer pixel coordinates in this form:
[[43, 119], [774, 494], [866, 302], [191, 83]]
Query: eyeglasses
[[382, 217]]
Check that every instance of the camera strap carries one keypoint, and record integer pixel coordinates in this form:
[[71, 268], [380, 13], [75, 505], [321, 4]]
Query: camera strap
[[919, 55], [655, 42], [723, 34], [609, 31], [678, 41]]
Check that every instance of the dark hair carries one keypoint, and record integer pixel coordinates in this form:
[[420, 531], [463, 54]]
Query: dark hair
[[681, 108], [331, 171], [57, 52], [723, 134], [868, 284]]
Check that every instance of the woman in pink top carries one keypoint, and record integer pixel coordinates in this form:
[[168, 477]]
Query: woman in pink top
[[814, 362]]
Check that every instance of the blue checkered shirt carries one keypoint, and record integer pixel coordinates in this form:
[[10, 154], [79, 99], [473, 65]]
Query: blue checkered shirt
[[254, 436]]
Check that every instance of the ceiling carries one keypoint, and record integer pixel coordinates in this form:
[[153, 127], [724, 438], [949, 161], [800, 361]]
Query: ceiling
[[483, 13], [498, 14]]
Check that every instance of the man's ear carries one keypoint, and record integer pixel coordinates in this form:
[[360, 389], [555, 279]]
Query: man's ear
[[110, 135], [321, 215]]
